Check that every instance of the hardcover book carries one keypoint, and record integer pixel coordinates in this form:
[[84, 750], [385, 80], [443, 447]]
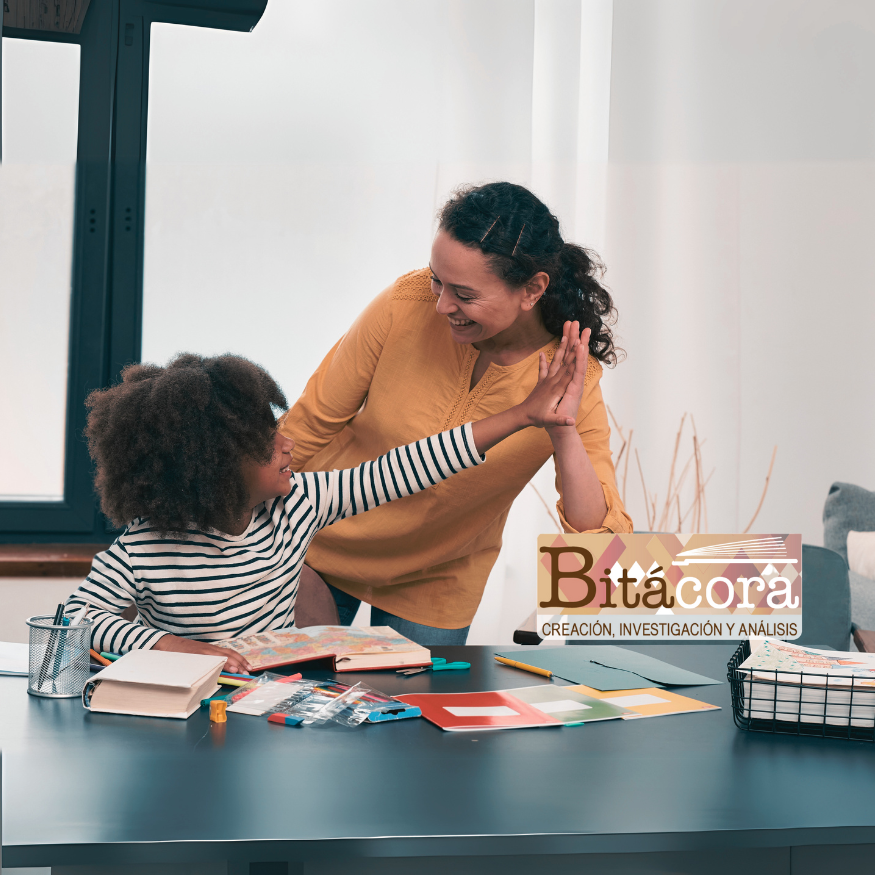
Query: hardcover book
[[154, 683]]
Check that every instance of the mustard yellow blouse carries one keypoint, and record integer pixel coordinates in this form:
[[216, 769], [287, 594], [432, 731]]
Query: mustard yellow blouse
[[397, 376]]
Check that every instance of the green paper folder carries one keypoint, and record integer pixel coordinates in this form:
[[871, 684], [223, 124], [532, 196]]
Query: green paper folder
[[568, 705], [643, 665], [576, 668]]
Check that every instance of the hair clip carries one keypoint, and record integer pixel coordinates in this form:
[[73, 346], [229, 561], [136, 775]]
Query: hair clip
[[489, 230], [518, 240]]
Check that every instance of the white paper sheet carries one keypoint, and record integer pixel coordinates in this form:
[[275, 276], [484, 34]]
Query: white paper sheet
[[563, 705], [636, 700], [481, 711], [13, 659]]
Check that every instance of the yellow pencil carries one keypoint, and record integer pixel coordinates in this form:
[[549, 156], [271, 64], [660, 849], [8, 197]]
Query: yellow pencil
[[532, 668], [232, 682]]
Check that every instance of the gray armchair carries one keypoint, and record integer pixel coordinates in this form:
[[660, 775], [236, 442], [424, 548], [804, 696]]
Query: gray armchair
[[851, 508]]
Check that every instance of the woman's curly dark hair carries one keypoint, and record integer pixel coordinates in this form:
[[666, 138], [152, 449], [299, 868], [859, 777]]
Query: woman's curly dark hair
[[520, 237], [169, 443]]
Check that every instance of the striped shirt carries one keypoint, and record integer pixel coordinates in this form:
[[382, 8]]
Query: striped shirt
[[211, 586]]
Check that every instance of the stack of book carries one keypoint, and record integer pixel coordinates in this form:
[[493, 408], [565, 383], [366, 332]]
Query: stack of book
[[793, 684]]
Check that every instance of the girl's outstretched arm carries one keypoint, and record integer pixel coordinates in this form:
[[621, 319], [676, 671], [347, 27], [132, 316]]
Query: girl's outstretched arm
[[409, 469]]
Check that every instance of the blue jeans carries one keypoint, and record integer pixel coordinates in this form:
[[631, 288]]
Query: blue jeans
[[427, 636]]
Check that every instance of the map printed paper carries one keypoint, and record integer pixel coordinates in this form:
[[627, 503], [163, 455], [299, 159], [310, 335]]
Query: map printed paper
[[345, 643], [796, 664]]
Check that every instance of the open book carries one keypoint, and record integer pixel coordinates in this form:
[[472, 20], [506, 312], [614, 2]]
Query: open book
[[154, 683], [352, 648]]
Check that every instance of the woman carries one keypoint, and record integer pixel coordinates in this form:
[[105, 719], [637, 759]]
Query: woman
[[440, 345]]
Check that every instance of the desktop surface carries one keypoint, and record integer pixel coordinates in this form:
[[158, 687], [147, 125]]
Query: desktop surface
[[86, 788]]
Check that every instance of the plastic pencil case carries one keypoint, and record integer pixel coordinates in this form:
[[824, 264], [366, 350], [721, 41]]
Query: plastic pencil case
[[380, 716], [316, 702]]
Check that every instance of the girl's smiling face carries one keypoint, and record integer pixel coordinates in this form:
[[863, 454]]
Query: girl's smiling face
[[266, 482], [477, 304]]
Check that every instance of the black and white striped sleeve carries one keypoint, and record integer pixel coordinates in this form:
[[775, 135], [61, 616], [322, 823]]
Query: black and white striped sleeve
[[396, 474], [108, 590]]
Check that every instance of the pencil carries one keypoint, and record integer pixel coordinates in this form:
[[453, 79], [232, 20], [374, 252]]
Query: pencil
[[232, 682], [98, 658], [52, 645], [532, 668]]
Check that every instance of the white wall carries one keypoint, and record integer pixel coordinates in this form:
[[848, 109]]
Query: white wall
[[23, 597], [294, 172], [741, 207]]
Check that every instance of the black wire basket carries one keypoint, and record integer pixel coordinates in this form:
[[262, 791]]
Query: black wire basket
[[800, 703]]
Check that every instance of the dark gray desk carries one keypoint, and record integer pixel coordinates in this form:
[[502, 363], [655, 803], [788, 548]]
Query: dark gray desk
[[679, 794]]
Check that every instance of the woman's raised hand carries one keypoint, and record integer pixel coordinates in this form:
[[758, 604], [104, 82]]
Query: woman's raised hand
[[555, 399], [578, 354]]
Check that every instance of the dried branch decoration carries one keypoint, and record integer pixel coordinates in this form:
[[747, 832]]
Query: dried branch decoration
[[670, 516]]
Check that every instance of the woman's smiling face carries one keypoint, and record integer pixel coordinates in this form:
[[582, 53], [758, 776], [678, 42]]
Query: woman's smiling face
[[477, 304]]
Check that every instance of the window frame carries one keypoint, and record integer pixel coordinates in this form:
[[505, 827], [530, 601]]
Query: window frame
[[106, 301]]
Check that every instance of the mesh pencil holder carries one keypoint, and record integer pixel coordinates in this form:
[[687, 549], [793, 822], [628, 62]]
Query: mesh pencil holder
[[59, 663]]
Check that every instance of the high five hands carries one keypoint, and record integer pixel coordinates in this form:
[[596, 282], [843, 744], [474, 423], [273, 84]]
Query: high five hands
[[556, 398], [554, 401]]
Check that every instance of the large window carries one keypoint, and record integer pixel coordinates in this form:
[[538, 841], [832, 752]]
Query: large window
[[37, 191], [71, 245]]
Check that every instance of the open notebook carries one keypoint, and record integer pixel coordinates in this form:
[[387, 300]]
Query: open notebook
[[154, 683]]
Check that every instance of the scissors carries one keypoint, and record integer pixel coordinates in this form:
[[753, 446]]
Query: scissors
[[437, 664]]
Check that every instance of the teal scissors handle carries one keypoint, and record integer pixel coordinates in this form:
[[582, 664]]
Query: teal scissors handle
[[438, 664]]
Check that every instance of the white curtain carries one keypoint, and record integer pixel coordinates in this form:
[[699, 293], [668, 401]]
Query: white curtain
[[718, 155], [741, 207]]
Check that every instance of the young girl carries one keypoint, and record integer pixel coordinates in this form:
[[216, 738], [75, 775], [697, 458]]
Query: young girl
[[221, 524]]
